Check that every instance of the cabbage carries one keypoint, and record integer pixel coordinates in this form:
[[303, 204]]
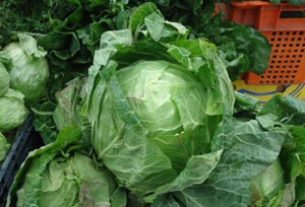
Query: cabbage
[[69, 182], [160, 106], [160, 109], [154, 107], [68, 111], [4, 80], [57, 175], [12, 110], [28, 69], [4, 147]]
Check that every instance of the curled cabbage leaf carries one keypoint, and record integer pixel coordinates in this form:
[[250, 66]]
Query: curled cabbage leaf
[[13, 112], [28, 68], [4, 80], [70, 100]]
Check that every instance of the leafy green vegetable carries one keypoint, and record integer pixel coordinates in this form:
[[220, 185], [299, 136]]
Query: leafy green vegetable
[[245, 103], [158, 108], [12, 110], [49, 178], [4, 147], [288, 113], [4, 80], [27, 67], [282, 110], [248, 150], [266, 185], [44, 123], [242, 47]]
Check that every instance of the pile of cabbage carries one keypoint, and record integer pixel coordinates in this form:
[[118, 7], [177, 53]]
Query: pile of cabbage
[[157, 123], [23, 77]]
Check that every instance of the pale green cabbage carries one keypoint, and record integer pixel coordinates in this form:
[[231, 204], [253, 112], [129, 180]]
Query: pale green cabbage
[[62, 175], [13, 111], [154, 108], [27, 67]]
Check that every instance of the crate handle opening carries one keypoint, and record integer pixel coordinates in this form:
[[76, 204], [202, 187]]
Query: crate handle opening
[[293, 14]]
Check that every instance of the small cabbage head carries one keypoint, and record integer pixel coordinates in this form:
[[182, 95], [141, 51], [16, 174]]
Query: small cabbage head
[[71, 181], [27, 67], [4, 147], [4, 80], [13, 111]]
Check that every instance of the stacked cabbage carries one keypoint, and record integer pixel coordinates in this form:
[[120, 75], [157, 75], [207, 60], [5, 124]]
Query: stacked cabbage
[[23, 77]]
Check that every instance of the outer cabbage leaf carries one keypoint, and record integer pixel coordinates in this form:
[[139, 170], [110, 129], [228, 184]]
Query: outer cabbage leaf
[[282, 110], [242, 48], [152, 93], [166, 201], [267, 184], [248, 151], [68, 182], [288, 113], [70, 100], [245, 106], [293, 159]]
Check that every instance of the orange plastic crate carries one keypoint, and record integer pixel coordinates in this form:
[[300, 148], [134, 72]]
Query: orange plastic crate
[[286, 34]]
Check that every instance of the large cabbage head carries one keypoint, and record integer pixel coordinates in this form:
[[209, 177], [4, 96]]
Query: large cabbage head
[[153, 117], [4, 80], [28, 68], [155, 101], [13, 111]]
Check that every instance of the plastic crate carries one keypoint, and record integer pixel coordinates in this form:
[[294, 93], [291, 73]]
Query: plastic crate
[[26, 140], [222, 8], [284, 26]]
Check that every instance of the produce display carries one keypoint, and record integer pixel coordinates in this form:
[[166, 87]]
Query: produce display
[[135, 103], [23, 77]]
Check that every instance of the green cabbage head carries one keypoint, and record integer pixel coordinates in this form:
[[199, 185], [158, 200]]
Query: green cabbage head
[[27, 67], [4, 80], [61, 174], [4, 147], [154, 105], [12, 110], [153, 118]]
